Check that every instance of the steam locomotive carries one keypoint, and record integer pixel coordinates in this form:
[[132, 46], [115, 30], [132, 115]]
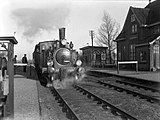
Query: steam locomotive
[[55, 60]]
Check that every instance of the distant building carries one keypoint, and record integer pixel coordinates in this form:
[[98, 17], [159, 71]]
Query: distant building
[[140, 37], [95, 56]]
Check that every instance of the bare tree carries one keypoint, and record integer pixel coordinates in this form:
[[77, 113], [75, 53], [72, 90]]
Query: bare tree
[[107, 33]]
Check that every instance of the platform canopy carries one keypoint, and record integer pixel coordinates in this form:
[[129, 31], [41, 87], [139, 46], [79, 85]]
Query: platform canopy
[[11, 39]]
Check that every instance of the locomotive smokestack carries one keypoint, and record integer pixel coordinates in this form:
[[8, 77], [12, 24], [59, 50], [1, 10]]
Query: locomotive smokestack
[[61, 34]]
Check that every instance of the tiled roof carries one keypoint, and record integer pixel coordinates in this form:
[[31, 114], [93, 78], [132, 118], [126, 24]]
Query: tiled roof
[[154, 14], [148, 15], [150, 38]]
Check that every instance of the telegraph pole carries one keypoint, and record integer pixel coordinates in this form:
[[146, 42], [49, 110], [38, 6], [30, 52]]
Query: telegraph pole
[[91, 33]]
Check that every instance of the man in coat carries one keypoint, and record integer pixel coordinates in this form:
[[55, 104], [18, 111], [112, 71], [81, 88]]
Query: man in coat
[[24, 60]]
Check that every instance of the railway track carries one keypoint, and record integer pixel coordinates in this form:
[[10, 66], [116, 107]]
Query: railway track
[[138, 107], [120, 106], [134, 89], [139, 83], [138, 86], [83, 107], [121, 89], [65, 107], [110, 82], [105, 104]]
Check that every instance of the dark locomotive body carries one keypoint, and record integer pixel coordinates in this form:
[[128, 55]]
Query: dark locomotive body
[[55, 60]]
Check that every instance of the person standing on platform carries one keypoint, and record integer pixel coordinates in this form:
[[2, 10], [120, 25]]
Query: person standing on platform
[[15, 59], [4, 67], [24, 60]]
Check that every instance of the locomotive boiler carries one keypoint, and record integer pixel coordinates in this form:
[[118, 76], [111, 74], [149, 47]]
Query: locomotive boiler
[[56, 60]]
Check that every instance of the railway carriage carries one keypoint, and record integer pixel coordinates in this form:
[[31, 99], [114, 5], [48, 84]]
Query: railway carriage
[[56, 60]]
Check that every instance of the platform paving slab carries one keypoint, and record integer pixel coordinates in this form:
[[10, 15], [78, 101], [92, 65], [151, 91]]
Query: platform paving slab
[[26, 105]]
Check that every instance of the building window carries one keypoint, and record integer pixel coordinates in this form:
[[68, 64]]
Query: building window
[[123, 52], [94, 56], [103, 56], [132, 52], [134, 28], [143, 57], [132, 18], [156, 47]]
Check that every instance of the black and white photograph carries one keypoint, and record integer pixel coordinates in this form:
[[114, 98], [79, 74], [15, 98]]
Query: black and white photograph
[[80, 60]]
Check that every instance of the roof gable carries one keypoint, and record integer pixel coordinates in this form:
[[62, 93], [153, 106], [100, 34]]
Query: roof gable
[[141, 14]]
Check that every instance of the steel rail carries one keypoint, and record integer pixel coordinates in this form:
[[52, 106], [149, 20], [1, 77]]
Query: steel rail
[[105, 103], [148, 98], [65, 106], [138, 86], [106, 74], [132, 84]]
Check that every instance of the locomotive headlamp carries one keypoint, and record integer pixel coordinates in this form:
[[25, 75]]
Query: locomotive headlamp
[[51, 70], [78, 62], [64, 42], [43, 47], [50, 63]]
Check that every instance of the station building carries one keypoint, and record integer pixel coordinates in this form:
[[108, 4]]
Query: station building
[[94, 56], [139, 39]]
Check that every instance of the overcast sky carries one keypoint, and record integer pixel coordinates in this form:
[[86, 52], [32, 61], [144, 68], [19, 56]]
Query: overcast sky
[[35, 21]]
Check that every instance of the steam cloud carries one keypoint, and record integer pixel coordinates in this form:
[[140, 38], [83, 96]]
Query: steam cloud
[[36, 20], [67, 82]]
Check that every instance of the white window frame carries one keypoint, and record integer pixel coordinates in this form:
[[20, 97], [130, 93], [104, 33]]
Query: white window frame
[[134, 28]]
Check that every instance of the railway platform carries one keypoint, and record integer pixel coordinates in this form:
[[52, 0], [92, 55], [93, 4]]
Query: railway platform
[[32, 101], [144, 75], [26, 103]]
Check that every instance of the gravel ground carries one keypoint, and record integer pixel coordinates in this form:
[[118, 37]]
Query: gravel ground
[[85, 108], [50, 109], [138, 107]]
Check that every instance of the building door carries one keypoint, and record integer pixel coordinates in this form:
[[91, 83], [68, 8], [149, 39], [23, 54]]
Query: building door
[[98, 59]]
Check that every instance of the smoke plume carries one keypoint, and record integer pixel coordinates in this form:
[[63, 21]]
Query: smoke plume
[[68, 82], [33, 21]]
